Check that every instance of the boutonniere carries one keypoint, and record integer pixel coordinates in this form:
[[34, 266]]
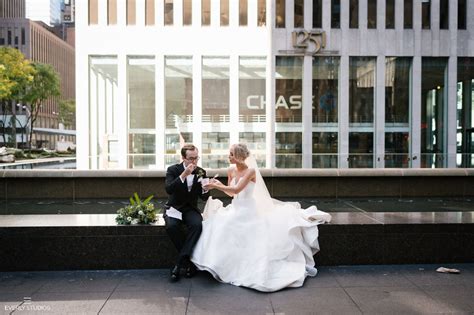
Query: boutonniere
[[200, 174]]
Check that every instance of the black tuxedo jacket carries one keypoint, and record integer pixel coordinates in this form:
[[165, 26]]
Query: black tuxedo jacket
[[178, 195]]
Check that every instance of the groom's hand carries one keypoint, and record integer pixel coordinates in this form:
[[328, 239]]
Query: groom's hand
[[188, 171]]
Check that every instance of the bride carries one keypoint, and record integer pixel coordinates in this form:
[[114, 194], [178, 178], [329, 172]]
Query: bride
[[256, 241]]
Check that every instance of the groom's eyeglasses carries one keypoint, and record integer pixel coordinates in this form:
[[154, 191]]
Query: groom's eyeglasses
[[192, 159]]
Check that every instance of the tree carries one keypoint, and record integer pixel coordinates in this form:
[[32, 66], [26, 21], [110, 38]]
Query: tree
[[67, 112], [45, 84]]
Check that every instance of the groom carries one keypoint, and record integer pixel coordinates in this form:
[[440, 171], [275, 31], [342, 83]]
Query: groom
[[183, 185]]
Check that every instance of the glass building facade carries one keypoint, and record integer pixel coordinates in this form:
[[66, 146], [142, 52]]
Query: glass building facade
[[305, 84]]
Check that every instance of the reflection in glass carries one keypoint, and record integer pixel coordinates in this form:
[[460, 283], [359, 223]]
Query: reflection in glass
[[131, 12], [103, 113], [187, 12], [206, 12], [397, 89], [354, 14], [288, 149], [325, 149], [141, 149], [215, 149], [371, 13], [288, 88], [243, 8], [426, 14], [111, 12], [178, 92], [465, 112], [335, 13], [462, 14], [262, 13], [396, 149], [173, 144], [361, 89], [141, 93], [444, 14], [150, 12], [361, 148], [433, 106], [252, 71], [317, 13], [299, 13], [390, 14], [280, 14], [168, 12], [215, 89], [325, 89], [256, 142], [224, 12], [408, 14]]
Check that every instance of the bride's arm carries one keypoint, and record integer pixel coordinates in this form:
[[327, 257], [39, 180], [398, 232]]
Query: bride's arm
[[233, 190]]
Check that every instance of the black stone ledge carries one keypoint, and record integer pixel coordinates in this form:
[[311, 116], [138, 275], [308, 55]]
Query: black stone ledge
[[75, 242], [282, 183]]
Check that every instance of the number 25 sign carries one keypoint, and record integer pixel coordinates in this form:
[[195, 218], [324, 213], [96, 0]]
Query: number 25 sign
[[310, 41]]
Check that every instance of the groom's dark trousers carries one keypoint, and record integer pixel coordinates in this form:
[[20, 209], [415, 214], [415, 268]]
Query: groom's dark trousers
[[186, 232]]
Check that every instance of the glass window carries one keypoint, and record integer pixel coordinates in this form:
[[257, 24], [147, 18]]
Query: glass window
[[23, 36], [93, 12], [141, 109], [289, 80], [174, 141], [150, 12], [178, 92], [112, 12], [256, 142], [462, 14], [397, 89], [396, 150], [299, 13], [317, 13], [262, 13], [168, 12], [354, 14], [325, 89], [215, 149], [280, 14], [408, 14], [224, 12], [103, 113], [433, 106], [465, 112], [288, 147], [335, 13], [187, 12], [371, 13], [444, 14], [243, 8], [252, 71], [325, 149], [131, 12], [361, 89], [206, 12], [361, 149], [141, 93], [425, 14], [215, 89], [390, 14]]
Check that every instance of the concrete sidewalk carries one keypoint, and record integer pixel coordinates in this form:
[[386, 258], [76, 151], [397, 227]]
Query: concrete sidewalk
[[382, 289]]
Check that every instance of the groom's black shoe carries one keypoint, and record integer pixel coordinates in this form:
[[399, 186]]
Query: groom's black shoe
[[191, 270], [174, 273]]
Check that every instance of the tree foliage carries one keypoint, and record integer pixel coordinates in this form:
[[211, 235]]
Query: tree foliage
[[67, 112], [16, 73]]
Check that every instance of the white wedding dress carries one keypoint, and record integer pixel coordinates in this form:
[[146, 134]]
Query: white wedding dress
[[266, 246]]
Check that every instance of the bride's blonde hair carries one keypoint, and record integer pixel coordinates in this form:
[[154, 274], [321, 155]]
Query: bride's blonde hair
[[241, 151]]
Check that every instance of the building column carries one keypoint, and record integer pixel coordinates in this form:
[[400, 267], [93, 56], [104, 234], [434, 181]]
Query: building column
[[343, 113], [416, 112], [234, 98], [379, 107], [451, 113], [307, 110], [122, 105], [197, 101], [270, 88], [160, 111]]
